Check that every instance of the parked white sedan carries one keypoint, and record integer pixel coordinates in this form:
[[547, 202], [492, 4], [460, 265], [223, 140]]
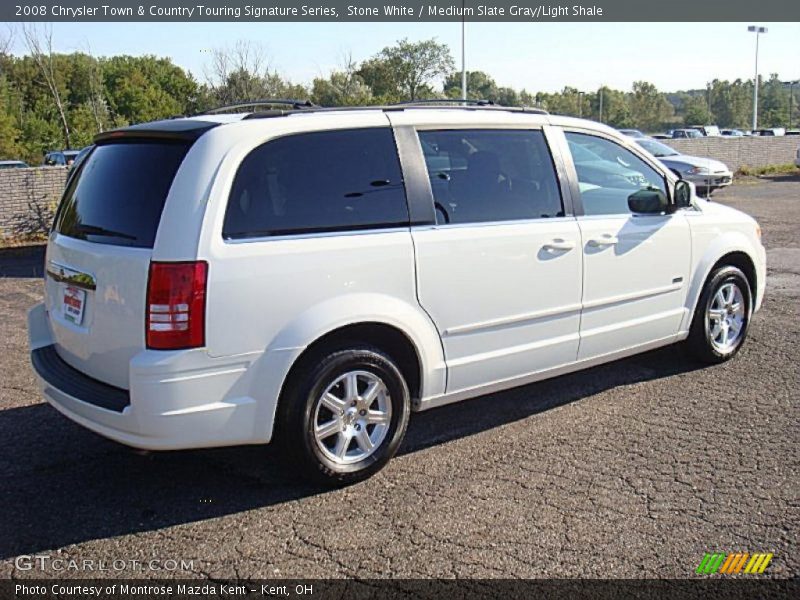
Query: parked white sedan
[[705, 173]]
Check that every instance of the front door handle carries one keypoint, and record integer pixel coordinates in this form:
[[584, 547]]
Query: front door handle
[[606, 240], [559, 246]]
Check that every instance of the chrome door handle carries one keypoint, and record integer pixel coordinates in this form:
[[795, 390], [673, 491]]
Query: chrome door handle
[[559, 246], [606, 240]]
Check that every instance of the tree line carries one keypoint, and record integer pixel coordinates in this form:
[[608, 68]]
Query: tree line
[[51, 100]]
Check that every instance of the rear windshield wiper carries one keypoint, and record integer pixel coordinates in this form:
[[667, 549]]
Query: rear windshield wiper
[[95, 230]]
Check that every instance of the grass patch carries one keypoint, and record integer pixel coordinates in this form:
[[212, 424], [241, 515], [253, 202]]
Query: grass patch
[[768, 170]]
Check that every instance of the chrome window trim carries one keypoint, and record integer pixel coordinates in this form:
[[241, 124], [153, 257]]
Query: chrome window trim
[[507, 222], [317, 234]]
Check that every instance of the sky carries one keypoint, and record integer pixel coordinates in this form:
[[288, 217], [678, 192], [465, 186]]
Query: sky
[[535, 56]]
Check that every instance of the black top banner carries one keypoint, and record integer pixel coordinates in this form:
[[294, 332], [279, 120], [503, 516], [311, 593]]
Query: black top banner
[[400, 10]]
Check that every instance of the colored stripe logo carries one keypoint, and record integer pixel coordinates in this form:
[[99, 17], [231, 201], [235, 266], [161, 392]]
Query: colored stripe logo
[[733, 563]]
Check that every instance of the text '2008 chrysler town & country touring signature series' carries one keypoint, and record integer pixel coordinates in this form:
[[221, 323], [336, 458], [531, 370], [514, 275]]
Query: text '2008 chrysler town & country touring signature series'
[[311, 276]]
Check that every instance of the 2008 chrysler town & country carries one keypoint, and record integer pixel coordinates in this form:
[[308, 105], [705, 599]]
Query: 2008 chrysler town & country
[[314, 275]]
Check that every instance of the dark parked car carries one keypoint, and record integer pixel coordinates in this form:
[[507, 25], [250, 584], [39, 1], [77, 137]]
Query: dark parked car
[[80, 156], [774, 131], [686, 133], [60, 158]]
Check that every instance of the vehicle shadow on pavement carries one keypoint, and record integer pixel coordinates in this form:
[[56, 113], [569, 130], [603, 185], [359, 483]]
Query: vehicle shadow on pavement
[[26, 261], [64, 485]]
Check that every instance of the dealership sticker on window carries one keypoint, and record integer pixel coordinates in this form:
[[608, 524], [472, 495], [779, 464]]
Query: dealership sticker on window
[[74, 301]]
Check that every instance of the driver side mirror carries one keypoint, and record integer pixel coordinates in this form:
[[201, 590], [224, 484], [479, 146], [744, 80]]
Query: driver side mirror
[[648, 201], [683, 193]]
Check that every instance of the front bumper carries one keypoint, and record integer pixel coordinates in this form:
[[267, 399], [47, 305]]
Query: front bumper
[[176, 400], [710, 180], [761, 277]]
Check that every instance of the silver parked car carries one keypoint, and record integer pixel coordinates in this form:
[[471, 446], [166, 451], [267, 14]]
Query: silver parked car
[[13, 164], [705, 173]]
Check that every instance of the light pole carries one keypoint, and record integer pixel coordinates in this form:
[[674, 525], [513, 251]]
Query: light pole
[[463, 50], [580, 105], [758, 31]]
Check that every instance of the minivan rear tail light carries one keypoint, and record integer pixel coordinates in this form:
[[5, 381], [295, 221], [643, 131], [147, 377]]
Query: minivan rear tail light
[[176, 305]]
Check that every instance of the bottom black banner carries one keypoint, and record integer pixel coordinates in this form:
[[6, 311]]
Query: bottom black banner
[[472, 589]]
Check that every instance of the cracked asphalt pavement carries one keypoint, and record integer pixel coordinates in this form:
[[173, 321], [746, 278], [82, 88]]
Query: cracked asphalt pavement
[[631, 469]]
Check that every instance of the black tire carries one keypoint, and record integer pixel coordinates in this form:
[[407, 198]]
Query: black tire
[[298, 407], [699, 343]]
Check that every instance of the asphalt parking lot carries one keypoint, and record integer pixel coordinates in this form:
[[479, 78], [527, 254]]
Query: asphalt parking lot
[[632, 469]]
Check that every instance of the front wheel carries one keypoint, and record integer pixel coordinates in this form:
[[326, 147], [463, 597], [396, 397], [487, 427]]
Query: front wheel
[[722, 316], [345, 415]]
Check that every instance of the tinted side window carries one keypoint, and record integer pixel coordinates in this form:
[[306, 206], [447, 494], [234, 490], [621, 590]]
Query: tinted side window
[[608, 173], [117, 195], [483, 175], [313, 182]]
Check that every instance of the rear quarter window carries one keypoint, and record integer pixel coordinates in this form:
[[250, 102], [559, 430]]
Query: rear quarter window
[[117, 195], [316, 182]]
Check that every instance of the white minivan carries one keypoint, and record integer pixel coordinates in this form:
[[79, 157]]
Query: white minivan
[[311, 276]]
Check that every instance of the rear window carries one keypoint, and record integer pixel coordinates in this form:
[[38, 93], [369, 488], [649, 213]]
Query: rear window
[[118, 194], [315, 182]]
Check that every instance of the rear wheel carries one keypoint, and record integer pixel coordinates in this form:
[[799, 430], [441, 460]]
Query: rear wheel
[[722, 316], [345, 414]]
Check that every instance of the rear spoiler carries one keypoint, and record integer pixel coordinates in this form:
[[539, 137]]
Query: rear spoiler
[[184, 130]]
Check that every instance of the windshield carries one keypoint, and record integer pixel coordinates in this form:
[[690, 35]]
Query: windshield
[[657, 149]]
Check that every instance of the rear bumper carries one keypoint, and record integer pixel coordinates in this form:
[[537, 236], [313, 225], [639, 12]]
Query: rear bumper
[[176, 400]]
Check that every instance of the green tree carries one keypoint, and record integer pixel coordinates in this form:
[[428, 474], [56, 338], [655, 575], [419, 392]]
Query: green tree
[[732, 103], [144, 88], [9, 132], [407, 70], [695, 111], [649, 107], [480, 86], [773, 109], [340, 89]]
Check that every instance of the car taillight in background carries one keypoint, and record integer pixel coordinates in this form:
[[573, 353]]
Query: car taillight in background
[[176, 305]]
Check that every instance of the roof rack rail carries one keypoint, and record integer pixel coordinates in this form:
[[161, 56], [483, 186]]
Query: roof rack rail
[[471, 104], [471, 101], [295, 104], [305, 106]]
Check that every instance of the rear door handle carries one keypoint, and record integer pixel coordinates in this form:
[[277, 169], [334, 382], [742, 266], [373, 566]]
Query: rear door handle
[[606, 240], [559, 246]]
